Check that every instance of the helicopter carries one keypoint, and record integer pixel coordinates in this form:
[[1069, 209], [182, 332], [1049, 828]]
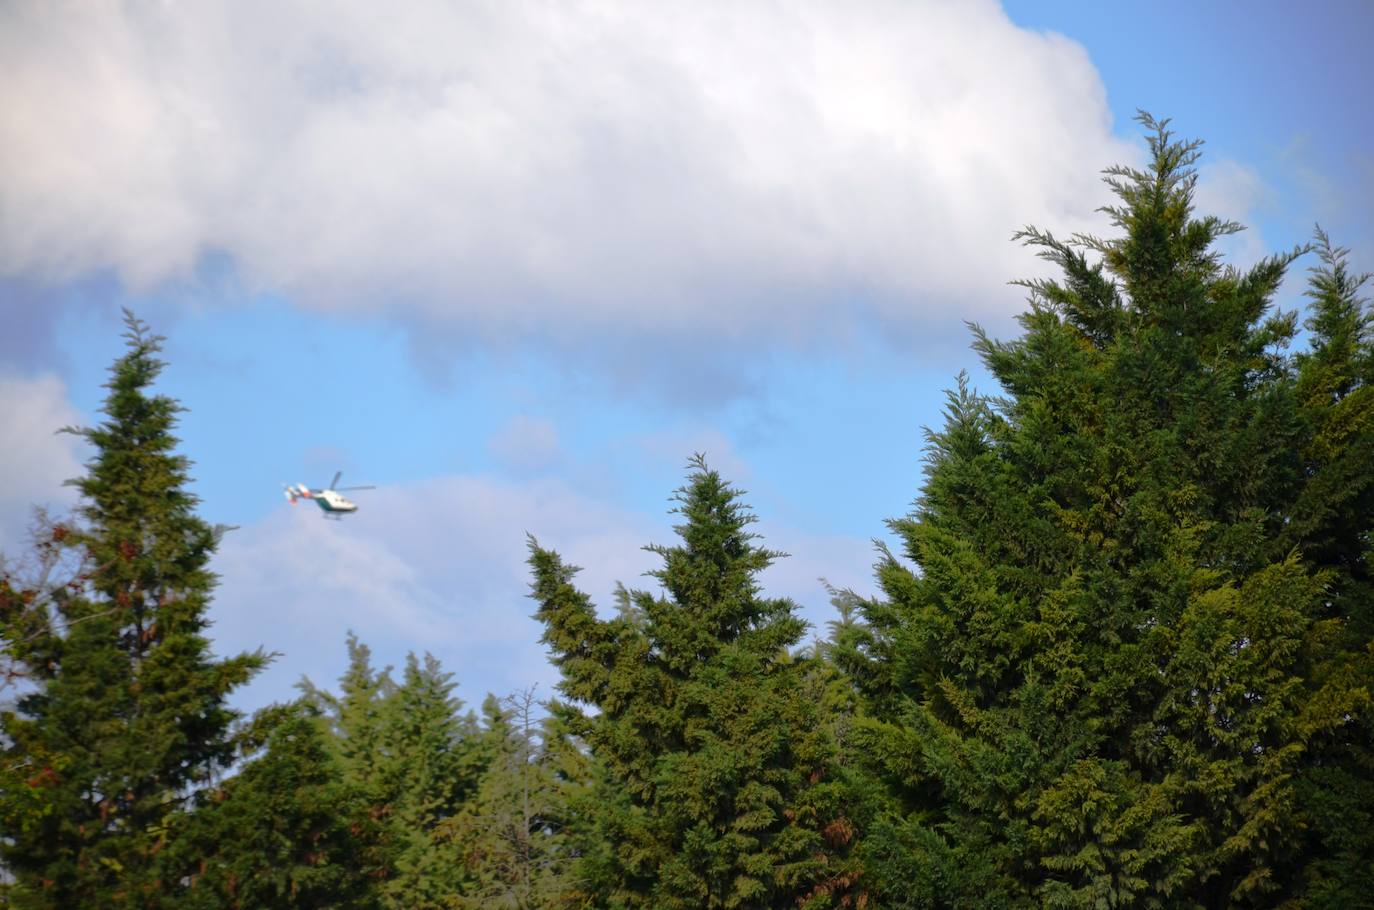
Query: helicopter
[[334, 505]]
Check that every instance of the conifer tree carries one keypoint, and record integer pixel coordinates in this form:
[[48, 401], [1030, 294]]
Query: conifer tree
[[355, 717], [1332, 522], [703, 720], [127, 713], [285, 832], [434, 764], [414, 759], [1100, 674], [516, 835]]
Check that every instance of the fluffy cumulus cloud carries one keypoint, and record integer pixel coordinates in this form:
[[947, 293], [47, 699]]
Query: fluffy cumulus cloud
[[552, 168], [440, 566], [35, 460]]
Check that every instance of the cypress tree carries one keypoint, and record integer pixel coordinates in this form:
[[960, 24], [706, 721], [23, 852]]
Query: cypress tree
[[435, 760], [1107, 662], [517, 835], [728, 795], [1332, 522], [285, 832], [127, 712], [414, 760]]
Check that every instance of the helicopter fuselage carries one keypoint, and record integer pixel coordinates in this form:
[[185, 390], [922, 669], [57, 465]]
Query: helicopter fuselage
[[333, 503]]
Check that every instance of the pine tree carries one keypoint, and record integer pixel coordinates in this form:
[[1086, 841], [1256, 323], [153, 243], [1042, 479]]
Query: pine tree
[[1097, 677], [127, 713], [703, 721]]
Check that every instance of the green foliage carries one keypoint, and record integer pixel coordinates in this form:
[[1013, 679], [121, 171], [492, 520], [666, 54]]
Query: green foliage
[[286, 832], [1123, 656], [126, 713], [725, 773], [1111, 670], [518, 836], [1330, 521], [414, 761]]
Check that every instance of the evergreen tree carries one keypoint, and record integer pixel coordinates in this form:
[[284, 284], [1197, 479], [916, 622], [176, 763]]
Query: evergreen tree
[[703, 720], [433, 768], [286, 832], [1332, 523], [355, 717], [127, 713], [517, 836], [414, 760], [1100, 675]]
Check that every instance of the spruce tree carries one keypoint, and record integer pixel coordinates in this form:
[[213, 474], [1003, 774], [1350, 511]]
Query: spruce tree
[[126, 715], [1104, 668], [703, 722]]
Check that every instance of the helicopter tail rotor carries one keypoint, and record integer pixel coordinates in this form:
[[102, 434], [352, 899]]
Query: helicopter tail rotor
[[299, 491]]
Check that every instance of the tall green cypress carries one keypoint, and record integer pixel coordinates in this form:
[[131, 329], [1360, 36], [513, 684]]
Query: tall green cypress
[[414, 759], [435, 760], [1332, 523], [286, 831], [127, 714], [704, 722], [1100, 674]]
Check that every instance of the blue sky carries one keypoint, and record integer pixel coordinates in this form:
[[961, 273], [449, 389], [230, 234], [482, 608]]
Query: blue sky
[[514, 263]]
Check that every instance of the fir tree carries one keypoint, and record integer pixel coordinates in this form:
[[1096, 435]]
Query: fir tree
[[1101, 681], [703, 720], [127, 713]]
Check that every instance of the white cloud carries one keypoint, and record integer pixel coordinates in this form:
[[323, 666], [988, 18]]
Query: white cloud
[[527, 444], [523, 167], [437, 565], [440, 566], [35, 460], [1233, 191]]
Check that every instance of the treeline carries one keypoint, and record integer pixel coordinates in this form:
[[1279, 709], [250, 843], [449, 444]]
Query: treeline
[[1123, 657]]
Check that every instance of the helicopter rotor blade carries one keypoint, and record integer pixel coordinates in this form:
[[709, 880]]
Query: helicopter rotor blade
[[342, 489], [333, 484]]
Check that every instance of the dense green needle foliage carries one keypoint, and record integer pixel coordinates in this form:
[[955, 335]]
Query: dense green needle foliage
[[1125, 662], [286, 832], [126, 713], [518, 837], [415, 760], [704, 722]]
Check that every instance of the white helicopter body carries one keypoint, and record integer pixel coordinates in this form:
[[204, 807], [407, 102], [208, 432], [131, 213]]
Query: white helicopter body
[[333, 503]]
